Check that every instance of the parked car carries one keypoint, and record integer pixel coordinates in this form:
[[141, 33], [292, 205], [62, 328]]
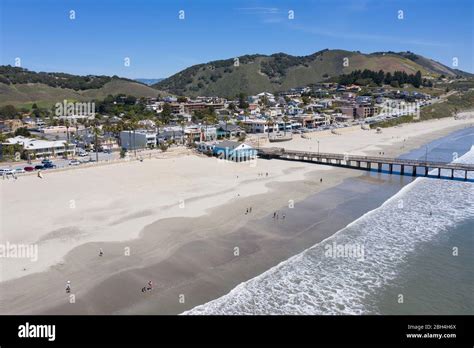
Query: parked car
[[74, 162], [29, 169], [49, 165], [19, 171], [46, 161], [6, 171], [39, 166], [83, 154]]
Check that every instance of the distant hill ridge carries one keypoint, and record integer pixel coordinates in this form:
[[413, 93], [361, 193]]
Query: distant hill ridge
[[251, 74]]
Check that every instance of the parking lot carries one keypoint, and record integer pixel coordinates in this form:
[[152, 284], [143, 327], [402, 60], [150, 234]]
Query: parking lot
[[19, 167]]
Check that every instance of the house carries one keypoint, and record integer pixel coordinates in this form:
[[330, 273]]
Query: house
[[256, 126], [229, 130], [141, 139], [200, 133], [36, 148], [234, 151]]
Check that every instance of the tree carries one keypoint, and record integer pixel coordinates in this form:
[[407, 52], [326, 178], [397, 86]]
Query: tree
[[166, 112], [226, 120], [23, 131], [417, 79], [8, 112], [242, 101], [97, 131], [285, 121]]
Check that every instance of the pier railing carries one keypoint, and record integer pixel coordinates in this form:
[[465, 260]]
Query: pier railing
[[346, 160]]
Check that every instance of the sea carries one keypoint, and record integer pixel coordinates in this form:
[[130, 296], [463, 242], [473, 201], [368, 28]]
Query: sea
[[412, 253]]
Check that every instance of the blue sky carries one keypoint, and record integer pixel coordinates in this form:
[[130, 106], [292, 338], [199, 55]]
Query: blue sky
[[159, 44]]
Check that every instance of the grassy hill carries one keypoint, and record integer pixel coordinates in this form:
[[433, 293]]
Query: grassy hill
[[257, 73], [25, 95]]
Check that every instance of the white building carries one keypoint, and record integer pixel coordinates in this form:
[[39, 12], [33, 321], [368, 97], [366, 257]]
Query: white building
[[139, 139], [256, 126], [37, 148]]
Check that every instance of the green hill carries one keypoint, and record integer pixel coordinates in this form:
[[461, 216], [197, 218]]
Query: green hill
[[21, 87], [278, 72]]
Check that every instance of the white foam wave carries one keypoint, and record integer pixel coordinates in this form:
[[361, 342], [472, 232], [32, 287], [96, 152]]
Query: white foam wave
[[311, 283]]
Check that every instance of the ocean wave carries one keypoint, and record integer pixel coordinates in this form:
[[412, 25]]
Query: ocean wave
[[314, 283]]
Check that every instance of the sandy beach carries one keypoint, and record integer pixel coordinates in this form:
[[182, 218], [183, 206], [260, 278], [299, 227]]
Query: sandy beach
[[179, 220]]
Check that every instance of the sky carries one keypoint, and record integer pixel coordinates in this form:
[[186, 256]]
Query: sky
[[150, 33]]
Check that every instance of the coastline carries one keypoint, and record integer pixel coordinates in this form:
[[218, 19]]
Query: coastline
[[194, 255]]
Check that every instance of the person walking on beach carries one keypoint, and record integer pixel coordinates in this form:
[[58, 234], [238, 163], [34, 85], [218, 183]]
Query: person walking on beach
[[68, 287], [247, 211], [274, 214], [101, 252], [250, 210], [148, 287], [321, 180], [283, 217], [40, 175]]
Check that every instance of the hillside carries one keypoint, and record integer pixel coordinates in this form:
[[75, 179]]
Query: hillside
[[21, 87], [257, 73], [43, 95]]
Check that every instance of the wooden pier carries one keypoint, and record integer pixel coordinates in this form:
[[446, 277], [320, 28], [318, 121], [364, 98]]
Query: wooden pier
[[404, 166]]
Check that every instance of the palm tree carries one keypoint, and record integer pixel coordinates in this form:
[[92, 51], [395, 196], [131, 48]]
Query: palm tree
[[285, 121], [226, 120], [97, 131], [182, 123], [133, 123], [270, 122]]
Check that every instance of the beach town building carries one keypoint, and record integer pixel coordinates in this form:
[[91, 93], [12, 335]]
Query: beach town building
[[199, 133], [12, 125], [37, 148], [234, 151], [360, 111], [256, 126], [140, 139]]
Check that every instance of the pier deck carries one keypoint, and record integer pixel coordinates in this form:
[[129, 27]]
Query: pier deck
[[367, 162]]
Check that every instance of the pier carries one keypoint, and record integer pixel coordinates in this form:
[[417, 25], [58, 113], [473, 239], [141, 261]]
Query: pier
[[404, 166]]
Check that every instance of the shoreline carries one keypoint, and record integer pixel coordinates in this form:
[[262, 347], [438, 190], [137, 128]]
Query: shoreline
[[260, 250]]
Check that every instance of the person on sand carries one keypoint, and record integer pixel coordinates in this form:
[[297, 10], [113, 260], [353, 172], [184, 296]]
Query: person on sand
[[274, 214], [247, 211], [101, 252], [321, 180], [68, 287], [250, 210], [40, 175], [283, 217]]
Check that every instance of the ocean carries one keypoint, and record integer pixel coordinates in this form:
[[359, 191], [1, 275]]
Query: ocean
[[412, 254]]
